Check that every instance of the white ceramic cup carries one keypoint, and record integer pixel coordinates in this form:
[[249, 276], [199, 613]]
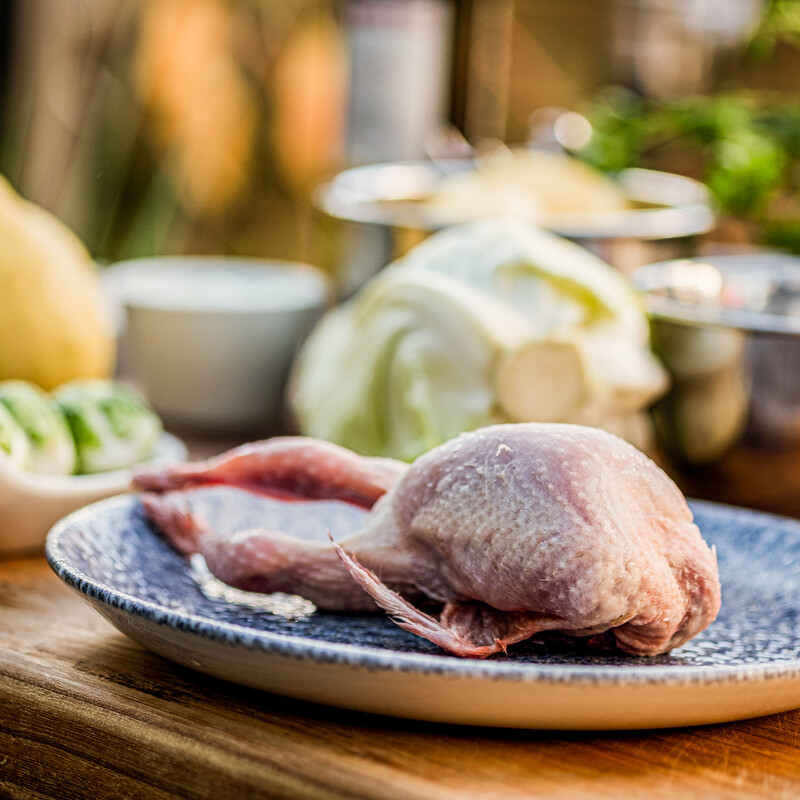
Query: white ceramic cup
[[210, 340]]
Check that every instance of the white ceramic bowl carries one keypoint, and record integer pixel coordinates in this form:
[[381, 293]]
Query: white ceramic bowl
[[30, 504], [210, 340]]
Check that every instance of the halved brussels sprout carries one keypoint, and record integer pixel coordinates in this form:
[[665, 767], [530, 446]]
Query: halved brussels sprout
[[112, 425], [13, 442], [52, 450]]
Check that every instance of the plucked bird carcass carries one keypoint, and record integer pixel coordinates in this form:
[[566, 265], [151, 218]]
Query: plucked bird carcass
[[500, 533]]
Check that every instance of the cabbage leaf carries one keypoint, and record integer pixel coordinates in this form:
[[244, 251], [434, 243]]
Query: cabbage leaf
[[492, 321]]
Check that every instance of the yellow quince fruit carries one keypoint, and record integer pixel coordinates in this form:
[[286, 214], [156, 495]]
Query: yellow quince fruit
[[55, 321]]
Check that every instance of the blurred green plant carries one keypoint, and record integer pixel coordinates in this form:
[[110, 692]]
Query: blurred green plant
[[745, 146], [779, 23]]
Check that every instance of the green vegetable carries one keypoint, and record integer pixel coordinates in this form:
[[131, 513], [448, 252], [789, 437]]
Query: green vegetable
[[111, 425], [556, 284], [13, 442], [494, 321], [49, 437], [405, 365]]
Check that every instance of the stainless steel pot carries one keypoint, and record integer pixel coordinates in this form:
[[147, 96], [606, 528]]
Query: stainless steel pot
[[727, 328]]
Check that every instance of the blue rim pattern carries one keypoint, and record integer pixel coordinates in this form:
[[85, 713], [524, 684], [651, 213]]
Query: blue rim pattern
[[110, 555]]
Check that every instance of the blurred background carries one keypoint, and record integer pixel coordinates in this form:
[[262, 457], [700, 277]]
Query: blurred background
[[201, 126], [207, 127]]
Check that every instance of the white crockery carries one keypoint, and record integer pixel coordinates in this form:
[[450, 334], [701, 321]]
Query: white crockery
[[30, 504], [745, 664], [210, 340]]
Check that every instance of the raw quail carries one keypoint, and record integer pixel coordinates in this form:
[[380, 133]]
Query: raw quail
[[511, 530]]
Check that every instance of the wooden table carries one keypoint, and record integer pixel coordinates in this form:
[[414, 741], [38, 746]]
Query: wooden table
[[86, 713]]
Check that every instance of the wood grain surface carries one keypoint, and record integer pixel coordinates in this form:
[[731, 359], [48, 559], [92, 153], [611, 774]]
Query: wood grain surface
[[86, 713]]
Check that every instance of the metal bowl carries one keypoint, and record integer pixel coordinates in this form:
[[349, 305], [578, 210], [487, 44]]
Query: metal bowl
[[379, 212], [727, 328]]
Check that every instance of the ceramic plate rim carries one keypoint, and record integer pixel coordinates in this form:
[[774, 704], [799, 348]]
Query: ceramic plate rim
[[369, 657]]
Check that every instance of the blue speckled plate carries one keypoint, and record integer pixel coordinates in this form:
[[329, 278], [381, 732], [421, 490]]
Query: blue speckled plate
[[746, 664]]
